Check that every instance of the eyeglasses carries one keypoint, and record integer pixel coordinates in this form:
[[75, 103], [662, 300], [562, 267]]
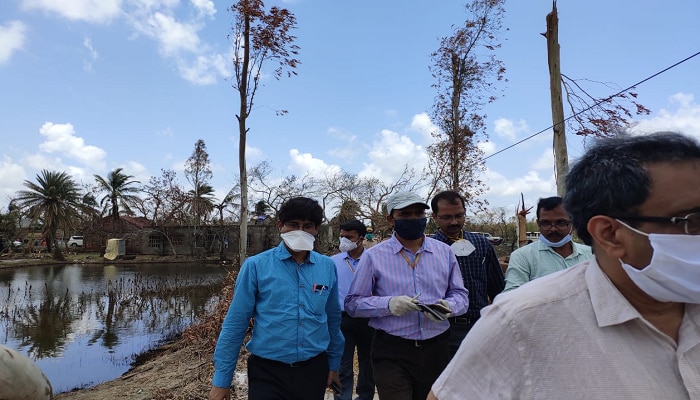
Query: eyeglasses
[[295, 226], [558, 224], [451, 217], [691, 222]]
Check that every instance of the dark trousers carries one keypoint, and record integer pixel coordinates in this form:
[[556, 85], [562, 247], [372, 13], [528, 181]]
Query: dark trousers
[[459, 327], [274, 380], [358, 334], [406, 369]]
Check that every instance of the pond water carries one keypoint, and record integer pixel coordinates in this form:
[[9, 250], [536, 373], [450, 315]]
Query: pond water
[[84, 324]]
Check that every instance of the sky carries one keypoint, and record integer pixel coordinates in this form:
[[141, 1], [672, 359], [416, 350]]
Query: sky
[[87, 86]]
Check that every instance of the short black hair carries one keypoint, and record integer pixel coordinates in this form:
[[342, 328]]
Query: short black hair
[[450, 196], [612, 179], [548, 203], [354, 225], [302, 208]]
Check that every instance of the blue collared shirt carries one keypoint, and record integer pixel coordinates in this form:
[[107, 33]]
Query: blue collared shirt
[[346, 267], [296, 311], [537, 260]]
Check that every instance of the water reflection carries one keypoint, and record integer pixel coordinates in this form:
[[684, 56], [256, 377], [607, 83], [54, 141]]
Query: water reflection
[[83, 324]]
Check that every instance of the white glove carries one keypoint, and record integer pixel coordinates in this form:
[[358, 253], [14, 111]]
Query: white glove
[[433, 318], [400, 305], [447, 306]]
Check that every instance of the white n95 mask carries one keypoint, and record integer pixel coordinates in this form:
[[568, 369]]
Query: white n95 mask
[[298, 240], [673, 274], [346, 245]]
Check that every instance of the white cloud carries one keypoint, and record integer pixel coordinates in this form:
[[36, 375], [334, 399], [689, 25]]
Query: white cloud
[[61, 139], [350, 148], [304, 163], [422, 123], [252, 153], [506, 128], [545, 161], [173, 36], [96, 11], [12, 176], [87, 43], [685, 118], [388, 157], [12, 37], [205, 8], [531, 185], [488, 147], [204, 70]]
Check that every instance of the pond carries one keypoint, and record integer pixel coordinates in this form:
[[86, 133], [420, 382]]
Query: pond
[[84, 324]]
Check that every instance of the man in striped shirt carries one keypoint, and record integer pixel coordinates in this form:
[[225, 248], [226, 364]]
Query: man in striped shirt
[[410, 347]]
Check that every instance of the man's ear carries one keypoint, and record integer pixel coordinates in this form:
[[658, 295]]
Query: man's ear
[[605, 232]]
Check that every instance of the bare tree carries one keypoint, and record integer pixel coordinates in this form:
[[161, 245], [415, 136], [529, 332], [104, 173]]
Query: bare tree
[[258, 37], [591, 116], [466, 70], [371, 194]]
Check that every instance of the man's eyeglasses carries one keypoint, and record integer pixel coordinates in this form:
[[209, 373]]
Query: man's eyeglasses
[[451, 217], [295, 226], [558, 224], [691, 222]]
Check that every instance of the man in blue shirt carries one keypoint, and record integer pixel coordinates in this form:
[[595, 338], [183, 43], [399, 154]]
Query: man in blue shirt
[[554, 251], [356, 331], [291, 292]]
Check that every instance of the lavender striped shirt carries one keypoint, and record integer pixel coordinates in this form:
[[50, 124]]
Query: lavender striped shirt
[[383, 273]]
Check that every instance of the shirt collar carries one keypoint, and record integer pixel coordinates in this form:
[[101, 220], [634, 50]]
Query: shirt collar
[[283, 254], [427, 246], [609, 305]]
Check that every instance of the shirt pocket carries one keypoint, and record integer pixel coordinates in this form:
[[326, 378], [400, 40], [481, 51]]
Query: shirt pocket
[[318, 300]]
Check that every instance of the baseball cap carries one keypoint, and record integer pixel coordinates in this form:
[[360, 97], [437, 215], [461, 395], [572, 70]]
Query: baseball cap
[[402, 200]]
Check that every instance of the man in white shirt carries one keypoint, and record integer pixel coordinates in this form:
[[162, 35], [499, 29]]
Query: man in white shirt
[[623, 325]]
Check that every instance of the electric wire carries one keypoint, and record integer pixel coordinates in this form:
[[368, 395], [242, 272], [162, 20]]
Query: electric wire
[[590, 107]]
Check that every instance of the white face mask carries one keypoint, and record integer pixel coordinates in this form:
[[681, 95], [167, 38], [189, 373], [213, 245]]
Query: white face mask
[[298, 240], [673, 274], [346, 244]]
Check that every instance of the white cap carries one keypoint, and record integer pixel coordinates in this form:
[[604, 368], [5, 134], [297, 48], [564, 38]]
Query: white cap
[[402, 200]]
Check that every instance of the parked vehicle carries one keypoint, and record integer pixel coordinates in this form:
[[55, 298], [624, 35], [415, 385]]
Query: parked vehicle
[[75, 241], [494, 240]]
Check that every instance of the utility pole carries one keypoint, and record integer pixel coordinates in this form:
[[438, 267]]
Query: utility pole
[[561, 158]]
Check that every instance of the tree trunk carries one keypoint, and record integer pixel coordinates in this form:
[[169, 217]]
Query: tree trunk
[[561, 158], [242, 131]]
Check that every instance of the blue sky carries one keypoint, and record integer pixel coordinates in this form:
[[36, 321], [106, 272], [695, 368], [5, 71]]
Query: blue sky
[[91, 85]]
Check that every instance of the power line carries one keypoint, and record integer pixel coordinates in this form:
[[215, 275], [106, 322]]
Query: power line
[[592, 106]]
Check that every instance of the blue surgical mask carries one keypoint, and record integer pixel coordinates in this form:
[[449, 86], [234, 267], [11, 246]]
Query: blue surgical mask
[[410, 229], [566, 239]]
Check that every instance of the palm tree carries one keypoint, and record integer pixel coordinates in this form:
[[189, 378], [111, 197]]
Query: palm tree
[[119, 193], [54, 199], [201, 202]]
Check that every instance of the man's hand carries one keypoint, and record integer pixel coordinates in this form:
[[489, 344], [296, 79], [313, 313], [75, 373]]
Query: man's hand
[[445, 304], [431, 317], [218, 393], [333, 376], [400, 305]]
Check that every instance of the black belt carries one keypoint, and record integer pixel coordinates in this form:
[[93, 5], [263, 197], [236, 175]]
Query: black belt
[[413, 342], [462, 320], [290, 365]]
